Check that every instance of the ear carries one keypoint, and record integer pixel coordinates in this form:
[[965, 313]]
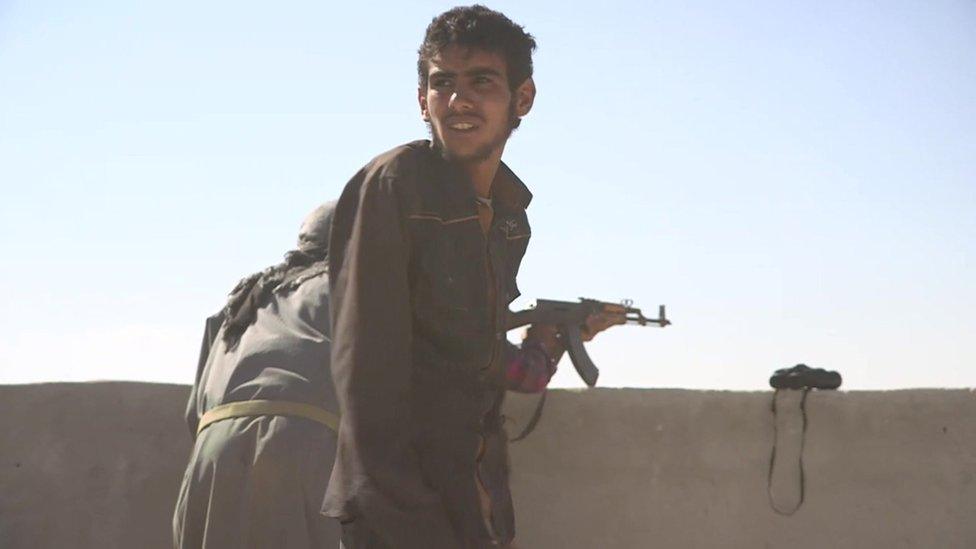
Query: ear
[[422, 100], [524, 97]]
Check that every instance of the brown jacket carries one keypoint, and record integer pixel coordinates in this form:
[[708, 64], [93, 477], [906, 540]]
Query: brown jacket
[[417, 349]]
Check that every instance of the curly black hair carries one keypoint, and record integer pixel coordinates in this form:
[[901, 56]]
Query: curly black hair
[[482, 28]]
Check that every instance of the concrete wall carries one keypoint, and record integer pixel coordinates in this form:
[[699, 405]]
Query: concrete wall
[[99, 464]]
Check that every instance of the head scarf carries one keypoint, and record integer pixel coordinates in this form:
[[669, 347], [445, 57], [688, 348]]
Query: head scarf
[[254, 292]]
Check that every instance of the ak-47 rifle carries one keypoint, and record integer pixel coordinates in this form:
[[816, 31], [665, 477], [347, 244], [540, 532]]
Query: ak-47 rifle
[[570, 317]]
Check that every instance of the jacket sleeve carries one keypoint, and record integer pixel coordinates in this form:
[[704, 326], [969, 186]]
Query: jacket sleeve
[[377, 477], [528, 368], [210, 330]]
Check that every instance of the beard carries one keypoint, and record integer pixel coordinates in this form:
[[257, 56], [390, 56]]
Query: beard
[[481, 153]]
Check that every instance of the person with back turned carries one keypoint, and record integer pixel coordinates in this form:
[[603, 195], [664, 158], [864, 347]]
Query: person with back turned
[[263, 411]]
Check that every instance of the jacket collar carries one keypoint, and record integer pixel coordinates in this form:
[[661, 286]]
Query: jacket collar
[[507, 189]]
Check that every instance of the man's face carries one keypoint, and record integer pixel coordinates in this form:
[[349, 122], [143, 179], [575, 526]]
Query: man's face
[[469, 105]]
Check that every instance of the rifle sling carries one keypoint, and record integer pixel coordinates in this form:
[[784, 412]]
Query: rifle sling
[[534, 420], [772, 457]]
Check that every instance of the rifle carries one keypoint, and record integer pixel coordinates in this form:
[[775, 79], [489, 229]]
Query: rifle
[[569, 317]]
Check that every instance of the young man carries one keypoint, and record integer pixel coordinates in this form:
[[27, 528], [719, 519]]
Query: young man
[[263, 411], [426, 244]]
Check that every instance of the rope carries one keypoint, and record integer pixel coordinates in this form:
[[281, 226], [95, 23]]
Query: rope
[[772, 457], [534, 420]]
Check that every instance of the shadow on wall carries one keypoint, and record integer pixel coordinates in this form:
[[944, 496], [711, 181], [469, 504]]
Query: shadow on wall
[[99, 465]]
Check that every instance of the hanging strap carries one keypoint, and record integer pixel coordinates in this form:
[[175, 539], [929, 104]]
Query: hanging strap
[[772, 457], [534, 420], [248, 408]]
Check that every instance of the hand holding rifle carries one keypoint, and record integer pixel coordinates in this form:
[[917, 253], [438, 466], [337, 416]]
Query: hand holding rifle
[[560, 325]]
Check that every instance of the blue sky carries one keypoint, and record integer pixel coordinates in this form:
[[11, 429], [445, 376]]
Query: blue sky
[[796, 181]]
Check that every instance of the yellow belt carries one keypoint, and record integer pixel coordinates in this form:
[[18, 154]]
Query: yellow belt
[[248, 408]]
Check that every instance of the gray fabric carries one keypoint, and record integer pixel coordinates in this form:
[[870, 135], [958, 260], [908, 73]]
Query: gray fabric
[[316, 228], [253, 292], [283, 355], [210, 331], [257, 483]]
